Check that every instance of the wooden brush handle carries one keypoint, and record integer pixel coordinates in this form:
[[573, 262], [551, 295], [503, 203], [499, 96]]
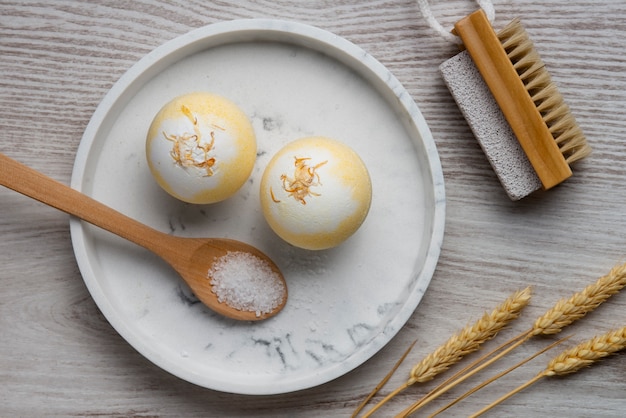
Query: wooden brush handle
[[509, 91]]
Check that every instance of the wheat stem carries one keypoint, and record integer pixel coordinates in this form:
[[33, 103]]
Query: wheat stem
[[386, 399], [382, 382], [456, 375], [499, 375], [508, 395], [426, 400], [572, 360]]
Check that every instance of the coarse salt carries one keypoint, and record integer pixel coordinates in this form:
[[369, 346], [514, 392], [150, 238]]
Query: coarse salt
[[246, 282]]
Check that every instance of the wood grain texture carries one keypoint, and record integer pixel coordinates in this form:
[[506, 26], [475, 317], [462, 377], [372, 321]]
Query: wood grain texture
[[60, 357]]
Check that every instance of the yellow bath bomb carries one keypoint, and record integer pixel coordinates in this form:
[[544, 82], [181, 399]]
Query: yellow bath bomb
[[315, 193], [201, 148]]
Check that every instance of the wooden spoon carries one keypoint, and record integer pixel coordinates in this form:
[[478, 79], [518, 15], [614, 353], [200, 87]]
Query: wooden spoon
[[190, 257]]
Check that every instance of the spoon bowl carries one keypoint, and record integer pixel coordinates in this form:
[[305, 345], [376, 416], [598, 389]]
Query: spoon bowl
[[192, 258]]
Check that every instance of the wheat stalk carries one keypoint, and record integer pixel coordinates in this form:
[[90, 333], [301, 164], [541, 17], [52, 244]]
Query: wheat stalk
[[562, 314], [466, 341], [572, 360]]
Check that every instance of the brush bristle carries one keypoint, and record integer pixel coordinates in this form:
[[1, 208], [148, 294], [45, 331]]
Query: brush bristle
[[554, 111]]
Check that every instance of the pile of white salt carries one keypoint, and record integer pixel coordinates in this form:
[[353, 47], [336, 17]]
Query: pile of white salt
[[246, 282]]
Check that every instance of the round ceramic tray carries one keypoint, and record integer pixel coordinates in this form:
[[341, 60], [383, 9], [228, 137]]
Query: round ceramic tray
[[344, 304]]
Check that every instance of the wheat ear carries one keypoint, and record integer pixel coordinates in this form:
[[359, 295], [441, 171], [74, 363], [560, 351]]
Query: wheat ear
[[580, 304], [470, 338], [466, 341], [564, 313], [572, 360]]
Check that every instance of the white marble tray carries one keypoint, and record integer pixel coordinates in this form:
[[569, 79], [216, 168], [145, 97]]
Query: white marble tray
[[344, 304]]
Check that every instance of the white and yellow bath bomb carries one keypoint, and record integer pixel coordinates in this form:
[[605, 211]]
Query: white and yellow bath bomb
[[315, 193], [201, 148]]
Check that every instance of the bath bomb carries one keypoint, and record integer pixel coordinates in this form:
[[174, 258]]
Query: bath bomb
[[315, 193], [201, 148]]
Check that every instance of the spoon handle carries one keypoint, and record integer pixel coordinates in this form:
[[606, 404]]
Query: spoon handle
[[38, 186]]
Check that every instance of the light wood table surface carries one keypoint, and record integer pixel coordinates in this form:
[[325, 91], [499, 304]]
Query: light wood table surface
[[60, 357]]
